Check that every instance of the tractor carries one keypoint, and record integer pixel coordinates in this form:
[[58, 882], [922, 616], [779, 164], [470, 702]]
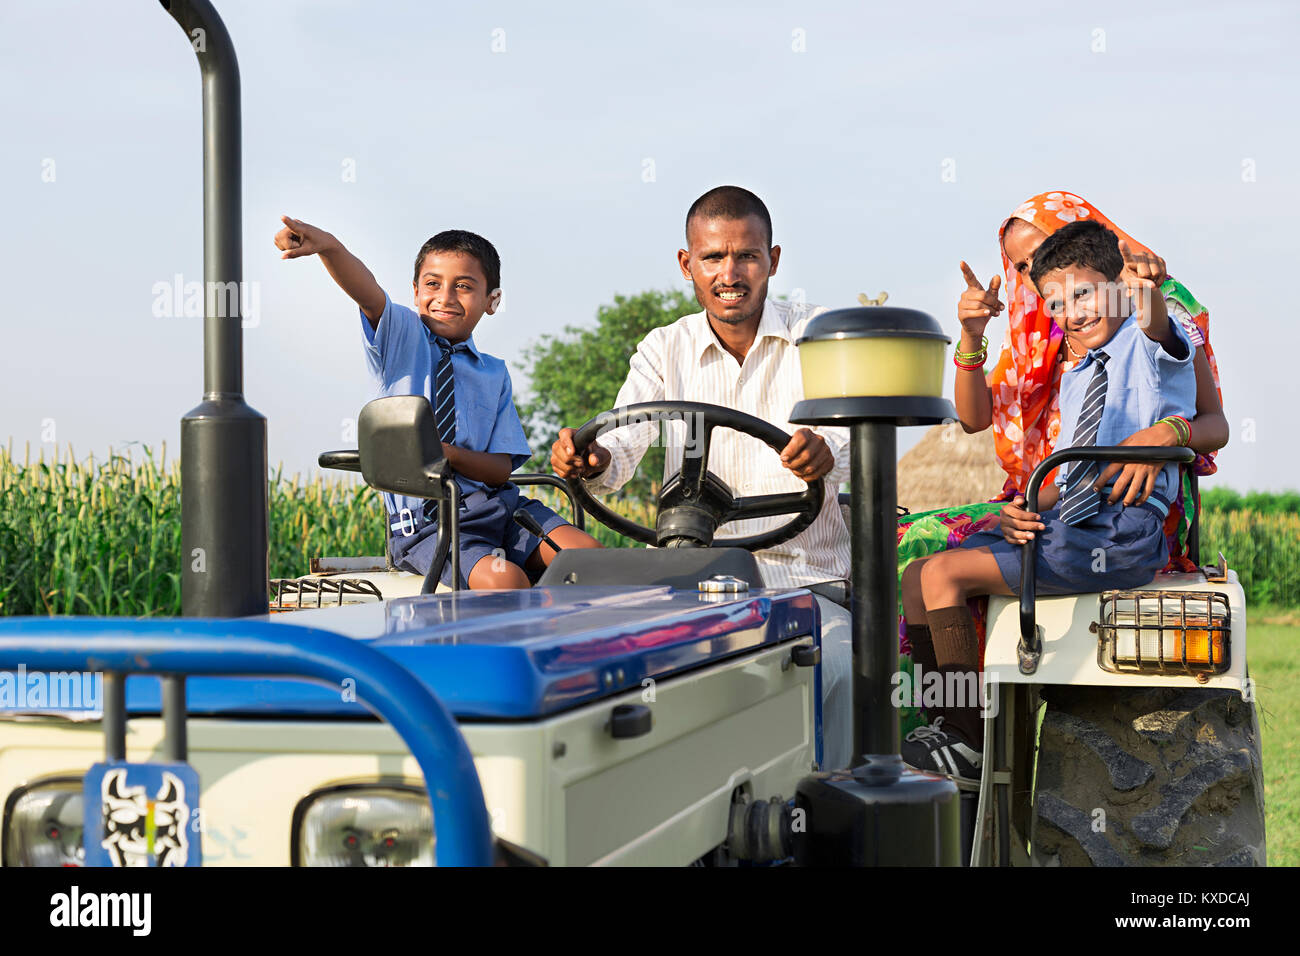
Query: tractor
[[639, 706]]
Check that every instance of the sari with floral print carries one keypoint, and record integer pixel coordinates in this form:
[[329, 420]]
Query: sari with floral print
[[1025, 385]]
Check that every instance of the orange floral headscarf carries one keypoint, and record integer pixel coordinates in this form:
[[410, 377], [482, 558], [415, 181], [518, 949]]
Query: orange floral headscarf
[[1026, 380]]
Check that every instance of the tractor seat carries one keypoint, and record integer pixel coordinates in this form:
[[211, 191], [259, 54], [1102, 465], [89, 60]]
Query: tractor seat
[[682, 568]]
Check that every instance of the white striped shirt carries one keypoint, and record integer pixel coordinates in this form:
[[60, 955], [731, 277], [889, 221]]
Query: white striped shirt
[[686, 362]]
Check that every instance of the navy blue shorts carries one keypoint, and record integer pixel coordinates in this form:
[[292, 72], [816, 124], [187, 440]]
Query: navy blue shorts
[[1115, 549], [487, 528]]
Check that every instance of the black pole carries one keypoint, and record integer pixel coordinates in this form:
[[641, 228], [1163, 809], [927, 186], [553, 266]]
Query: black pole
[[874, 492], [114, 715], [175, 732], [223, 440], [878, 812]]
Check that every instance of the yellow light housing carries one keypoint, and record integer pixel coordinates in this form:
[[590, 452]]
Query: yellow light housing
[[873, 364], [877, 365], [1153, 631]]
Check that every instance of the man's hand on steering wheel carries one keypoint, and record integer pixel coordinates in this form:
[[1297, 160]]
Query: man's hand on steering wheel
[[807, 456], [694, 502], [572, 463]]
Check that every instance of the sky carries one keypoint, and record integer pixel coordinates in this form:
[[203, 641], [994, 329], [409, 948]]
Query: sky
[[888, 140]]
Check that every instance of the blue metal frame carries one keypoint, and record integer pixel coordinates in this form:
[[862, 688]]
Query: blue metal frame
[[259, 648]]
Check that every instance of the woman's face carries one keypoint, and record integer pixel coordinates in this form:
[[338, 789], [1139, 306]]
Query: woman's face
[[1020, 242]]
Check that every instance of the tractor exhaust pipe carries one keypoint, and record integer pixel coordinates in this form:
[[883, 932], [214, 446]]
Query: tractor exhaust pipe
[[223, 440]]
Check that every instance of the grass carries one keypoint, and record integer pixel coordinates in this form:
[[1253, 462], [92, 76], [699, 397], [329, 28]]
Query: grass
[[1273, 637]]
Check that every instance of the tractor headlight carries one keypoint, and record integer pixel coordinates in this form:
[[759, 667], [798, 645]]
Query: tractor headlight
[[1164, 632], [363, 825], [43, 824]]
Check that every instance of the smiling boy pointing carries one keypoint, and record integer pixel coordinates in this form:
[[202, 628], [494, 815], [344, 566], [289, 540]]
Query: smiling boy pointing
[[1137, 371], [431, 352]]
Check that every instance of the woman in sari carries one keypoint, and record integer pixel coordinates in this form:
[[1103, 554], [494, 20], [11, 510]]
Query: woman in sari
[[1020, 399]]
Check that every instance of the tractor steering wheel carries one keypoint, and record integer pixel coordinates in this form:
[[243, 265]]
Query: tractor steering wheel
[[696, 502]]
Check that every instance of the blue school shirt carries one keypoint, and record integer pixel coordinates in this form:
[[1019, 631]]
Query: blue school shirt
[[402, 354], [1144, 383]]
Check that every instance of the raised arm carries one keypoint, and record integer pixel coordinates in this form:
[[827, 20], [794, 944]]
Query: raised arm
[[1143, 273], [299, 238], [1134, 481], [977, 306]]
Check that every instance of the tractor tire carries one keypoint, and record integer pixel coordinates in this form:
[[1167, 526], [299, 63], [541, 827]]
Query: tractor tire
[[1148, 777]]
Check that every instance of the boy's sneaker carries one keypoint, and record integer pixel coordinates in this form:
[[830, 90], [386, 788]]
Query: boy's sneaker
[[935, 750]]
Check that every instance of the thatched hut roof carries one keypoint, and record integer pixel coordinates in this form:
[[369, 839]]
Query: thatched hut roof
[[949, 467]]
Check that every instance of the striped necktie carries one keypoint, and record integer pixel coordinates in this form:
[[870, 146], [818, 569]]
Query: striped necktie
[[1079, 501], [444, 391]]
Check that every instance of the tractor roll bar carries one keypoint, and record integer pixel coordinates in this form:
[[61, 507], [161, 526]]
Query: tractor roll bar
[[266, 649], [1030, 649]]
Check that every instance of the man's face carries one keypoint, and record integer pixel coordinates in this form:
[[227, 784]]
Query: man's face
[[729, 262], [451, 294], [1086, 304]]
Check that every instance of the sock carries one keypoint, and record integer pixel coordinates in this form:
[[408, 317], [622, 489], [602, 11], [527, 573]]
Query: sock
[[956, 651], [918, 635], [923, 661]]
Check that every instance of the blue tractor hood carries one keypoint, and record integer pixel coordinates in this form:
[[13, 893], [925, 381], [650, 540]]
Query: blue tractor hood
[[491, 655]]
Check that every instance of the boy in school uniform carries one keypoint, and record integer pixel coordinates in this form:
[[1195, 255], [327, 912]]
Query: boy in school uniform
[[431, 352], [1137, 370]]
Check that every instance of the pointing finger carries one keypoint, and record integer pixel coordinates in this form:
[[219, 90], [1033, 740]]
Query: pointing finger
[[1131, 259], [969, 275]]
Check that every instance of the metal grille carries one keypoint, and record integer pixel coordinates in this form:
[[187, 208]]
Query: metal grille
[[1156, 632], [329, 592]]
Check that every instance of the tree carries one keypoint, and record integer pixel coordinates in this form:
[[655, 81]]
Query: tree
[[576, 375]]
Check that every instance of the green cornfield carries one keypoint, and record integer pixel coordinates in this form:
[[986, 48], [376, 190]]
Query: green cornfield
[[104, 537], [1262, 547]]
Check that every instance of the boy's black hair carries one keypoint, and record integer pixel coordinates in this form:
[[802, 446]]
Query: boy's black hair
[[1083, 243], [729, 202], [471, 244]]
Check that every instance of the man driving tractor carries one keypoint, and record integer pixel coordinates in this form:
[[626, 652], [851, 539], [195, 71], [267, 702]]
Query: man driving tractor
[[739, 352]]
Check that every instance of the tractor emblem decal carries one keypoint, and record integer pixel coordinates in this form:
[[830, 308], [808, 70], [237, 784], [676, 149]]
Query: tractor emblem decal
[[138, 829]]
